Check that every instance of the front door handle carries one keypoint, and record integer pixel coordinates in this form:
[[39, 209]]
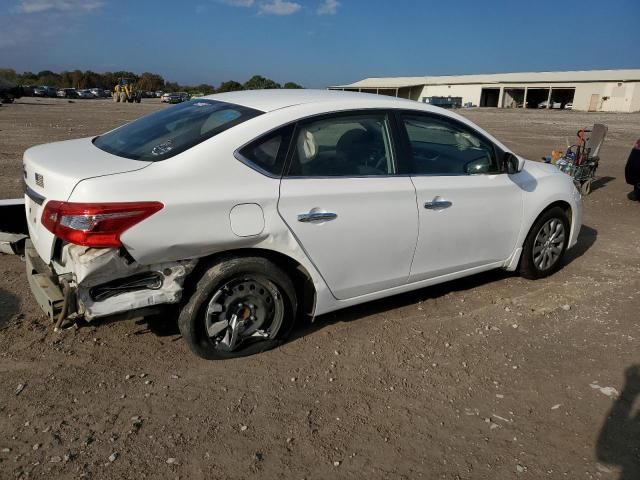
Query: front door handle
[[316, 216], [437, 204]]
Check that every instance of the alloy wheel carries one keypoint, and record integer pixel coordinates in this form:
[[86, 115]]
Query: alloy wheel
[[548, 244]]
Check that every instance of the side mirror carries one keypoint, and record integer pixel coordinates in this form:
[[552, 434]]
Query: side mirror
[[511, 164]]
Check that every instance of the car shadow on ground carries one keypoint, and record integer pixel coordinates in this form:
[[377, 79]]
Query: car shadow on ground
[[163, 325], [166, 325], [600, 182], [586, 239], [619, 439], [9, 307]]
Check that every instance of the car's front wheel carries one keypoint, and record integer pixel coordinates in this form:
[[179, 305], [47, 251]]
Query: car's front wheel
[[240, 306], [545, 244]]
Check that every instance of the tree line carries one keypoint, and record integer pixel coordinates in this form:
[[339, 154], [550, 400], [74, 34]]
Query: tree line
[[146, 81]]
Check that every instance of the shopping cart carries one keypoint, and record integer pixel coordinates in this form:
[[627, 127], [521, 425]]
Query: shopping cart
[[581, 160]]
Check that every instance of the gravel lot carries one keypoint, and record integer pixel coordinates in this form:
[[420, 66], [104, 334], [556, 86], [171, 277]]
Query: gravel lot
[[489, 377]]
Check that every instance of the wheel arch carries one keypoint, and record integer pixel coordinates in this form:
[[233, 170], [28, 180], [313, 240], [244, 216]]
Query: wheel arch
[[301, 278], [563, 204], [513, 261]]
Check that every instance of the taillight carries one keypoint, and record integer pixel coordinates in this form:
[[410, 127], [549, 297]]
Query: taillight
[[636, 146], [95, 224]]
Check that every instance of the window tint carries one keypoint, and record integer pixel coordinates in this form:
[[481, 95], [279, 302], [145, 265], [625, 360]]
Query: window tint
[[268, 153], [442, 147], [173, 130], [343, 145]]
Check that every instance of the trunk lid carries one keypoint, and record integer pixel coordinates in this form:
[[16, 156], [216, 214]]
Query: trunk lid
[[52, 171]]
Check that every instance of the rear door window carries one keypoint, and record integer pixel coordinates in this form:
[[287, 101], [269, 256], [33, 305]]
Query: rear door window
[[173, 130], [343, 146]]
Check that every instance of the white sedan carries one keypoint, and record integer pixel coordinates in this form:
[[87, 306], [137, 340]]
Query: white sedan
[[245, 211]]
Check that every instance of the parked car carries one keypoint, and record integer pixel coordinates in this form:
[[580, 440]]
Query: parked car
[[159, 93], [553, 104], [67, 93], [632, 169], [99, 92], [9, 91], [84, 93], [247, 210], [175, 97], [569, 106], [44, 91]]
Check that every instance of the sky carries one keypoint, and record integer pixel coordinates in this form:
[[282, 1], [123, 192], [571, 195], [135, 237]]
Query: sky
[[317, 43]]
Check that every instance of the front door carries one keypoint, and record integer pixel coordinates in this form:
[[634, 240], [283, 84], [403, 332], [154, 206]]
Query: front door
[[353, 216], [469, 213]]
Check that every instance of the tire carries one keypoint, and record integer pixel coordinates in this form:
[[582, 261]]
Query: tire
[[243, 288], [123, 97], [552, 225], [116, 97]]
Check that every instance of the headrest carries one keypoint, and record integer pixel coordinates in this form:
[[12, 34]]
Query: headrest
[[353, 140]]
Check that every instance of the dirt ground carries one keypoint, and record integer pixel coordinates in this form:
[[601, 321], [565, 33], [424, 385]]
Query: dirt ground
[[491, 377]]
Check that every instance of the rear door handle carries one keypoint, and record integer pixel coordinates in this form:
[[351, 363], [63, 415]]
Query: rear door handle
[[437, 204], [316, 216]]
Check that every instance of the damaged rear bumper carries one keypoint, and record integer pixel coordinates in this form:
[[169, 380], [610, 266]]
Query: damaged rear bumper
[[43, 283], [102, 282]]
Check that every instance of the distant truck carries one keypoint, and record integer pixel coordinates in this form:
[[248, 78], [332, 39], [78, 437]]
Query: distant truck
[[444, 102], [127, 91], [9, 91]]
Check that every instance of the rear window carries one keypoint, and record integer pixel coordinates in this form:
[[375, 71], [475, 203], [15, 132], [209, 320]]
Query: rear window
[[173, 130]]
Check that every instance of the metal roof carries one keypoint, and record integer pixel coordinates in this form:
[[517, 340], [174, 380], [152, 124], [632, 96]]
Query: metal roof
[[522, 77]]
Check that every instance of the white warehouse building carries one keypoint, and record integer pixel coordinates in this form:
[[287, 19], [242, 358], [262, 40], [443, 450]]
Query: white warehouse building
[[592, 90]]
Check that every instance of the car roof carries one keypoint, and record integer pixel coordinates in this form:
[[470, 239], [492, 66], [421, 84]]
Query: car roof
[[269, 100]]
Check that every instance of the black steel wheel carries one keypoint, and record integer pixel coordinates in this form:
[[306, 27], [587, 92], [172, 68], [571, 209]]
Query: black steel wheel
[[239, 307]]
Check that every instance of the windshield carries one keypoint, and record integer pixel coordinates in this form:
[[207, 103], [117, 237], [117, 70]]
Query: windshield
[[164, 134]]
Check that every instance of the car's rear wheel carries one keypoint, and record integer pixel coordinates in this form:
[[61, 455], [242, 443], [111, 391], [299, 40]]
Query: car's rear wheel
[[239, 307], [545, 244]]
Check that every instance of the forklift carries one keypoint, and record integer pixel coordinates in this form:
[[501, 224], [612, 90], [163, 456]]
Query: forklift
[[126, 91]]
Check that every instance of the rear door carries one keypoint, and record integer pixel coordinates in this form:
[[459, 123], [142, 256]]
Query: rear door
[[469, 212], [354, 216]]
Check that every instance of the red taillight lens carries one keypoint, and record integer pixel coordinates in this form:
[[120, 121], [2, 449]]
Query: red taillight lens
[[95, 224], [636, 146]]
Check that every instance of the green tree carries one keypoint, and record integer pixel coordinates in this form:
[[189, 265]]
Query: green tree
[[171, 87], [230, 86], [151, 81], [258, 82], [9, 74], [292, 85], [28, 78], [203, 88]]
